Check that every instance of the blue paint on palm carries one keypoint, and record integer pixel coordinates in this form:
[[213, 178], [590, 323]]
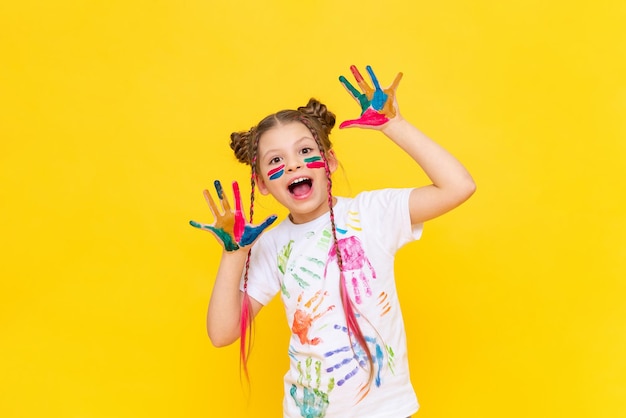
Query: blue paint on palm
[[380, 97], [251, 233]]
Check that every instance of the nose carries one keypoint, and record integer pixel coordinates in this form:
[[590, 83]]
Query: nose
[[293, 164]]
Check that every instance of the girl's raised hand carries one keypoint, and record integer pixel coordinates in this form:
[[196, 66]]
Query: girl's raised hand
[[231, 227], [377, 104]]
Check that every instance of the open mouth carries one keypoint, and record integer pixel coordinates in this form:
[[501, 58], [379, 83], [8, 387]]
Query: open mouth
[[300, 186]]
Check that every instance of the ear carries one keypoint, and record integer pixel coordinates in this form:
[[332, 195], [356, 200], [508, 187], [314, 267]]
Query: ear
[[260, 184], [332, 160]]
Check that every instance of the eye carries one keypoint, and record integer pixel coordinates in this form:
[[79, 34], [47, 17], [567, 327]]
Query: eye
[[275, 160], [306, 150]]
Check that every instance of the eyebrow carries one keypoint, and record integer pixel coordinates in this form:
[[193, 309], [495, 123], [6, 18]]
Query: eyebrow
[[296, 143]]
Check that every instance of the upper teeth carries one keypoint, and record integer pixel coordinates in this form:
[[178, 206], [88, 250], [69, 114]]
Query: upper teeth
[[299, 180]]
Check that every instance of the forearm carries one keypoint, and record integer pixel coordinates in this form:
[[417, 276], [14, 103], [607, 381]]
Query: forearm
[[224, 313], [451, 182]]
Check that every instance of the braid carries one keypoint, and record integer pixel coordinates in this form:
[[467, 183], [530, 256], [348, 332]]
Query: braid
[[350, 311], [246, 322]]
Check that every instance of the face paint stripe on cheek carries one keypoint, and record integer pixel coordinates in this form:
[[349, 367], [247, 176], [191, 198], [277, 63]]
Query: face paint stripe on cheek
[[275, 173], [314, 162]]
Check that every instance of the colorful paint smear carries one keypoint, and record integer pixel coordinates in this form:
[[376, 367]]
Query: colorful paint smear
[[314, 162], [221, 234], [277, 172], [240, 219], [231, 227], [251, 233], [379, 98], [369, 118], [219, 189], [357, 360], [303, 318], [355, 261], [313, 402], [384, 304], [376, 103]]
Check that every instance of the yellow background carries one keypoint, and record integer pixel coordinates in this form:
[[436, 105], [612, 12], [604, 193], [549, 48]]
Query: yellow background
[[114, 115]]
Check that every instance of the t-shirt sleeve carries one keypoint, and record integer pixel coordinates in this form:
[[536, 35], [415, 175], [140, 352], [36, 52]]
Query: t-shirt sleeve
[[263, 284], [387, 212]]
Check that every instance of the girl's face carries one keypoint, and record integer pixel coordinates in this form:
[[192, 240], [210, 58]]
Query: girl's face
[[291, 169]]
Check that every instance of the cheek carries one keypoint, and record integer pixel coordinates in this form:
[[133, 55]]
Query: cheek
[[314, 162], [276, 173]]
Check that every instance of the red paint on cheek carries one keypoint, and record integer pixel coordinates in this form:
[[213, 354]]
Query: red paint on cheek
[[275, 173], [316, 164]]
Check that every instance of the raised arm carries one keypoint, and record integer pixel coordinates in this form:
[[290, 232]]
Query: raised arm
[[236, 236], [451, 182]]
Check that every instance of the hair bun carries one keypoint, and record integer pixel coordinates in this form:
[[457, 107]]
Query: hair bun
[[240, 144], [318, 110]]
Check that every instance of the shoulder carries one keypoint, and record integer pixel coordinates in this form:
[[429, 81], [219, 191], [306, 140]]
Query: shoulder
[[381, 198], [385, 212]]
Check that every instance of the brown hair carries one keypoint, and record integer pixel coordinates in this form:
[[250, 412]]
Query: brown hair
[[320, 121]]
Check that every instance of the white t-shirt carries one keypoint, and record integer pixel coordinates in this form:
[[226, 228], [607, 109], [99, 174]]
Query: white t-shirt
[[327, 375]]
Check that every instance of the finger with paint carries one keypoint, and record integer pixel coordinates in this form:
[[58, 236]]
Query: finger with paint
[[389, 106], [361, 97], [231, 227], [313, 402], [240, 219], [245, 233], [377, 104], [224, 225], [379, 97]]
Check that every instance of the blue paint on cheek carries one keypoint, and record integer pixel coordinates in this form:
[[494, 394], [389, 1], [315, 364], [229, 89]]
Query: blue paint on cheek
[[276, 175]]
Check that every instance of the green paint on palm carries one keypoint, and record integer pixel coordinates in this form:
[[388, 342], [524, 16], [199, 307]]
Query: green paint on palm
[[226, 238]]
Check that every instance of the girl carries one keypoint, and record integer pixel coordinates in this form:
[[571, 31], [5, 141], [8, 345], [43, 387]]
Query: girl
[[332, 259]]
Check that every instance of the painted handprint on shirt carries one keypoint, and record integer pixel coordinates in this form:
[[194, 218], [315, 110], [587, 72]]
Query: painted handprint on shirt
[[306, 314], [354, 263], [313, 402], [358, 358], [304, 273], [231, 227], [377, 104], [355, 360]]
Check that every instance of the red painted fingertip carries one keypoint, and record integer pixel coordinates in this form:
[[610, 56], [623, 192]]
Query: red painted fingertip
[[357, 75]]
